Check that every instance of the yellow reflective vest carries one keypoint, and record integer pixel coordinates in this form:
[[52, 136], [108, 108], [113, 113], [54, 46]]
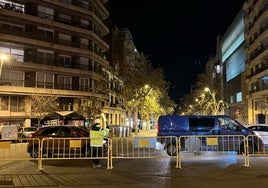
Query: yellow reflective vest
[[96, 137]]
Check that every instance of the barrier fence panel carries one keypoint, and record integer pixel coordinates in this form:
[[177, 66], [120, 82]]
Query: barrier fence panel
[[135, 148], [138, 148], [71, 148], [215, 146], [256, 148], [15, 149]]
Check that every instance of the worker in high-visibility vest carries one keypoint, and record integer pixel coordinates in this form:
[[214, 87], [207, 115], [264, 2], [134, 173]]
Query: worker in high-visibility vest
[[97, 134]]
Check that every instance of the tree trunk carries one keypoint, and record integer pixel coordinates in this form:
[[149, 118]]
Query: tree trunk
[[136, 127]]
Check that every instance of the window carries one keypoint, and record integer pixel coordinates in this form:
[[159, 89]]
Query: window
[[12, 78], [44, 80], [84, 23], [65, 60], [16, 54], [64, 82], [3, 103], [84, 84], [232, 99], [84, 44], [65, 37], [201, 124], [83, 63], [83, 4], [229, 124], [45, 55], [84, 41], [260, 105], [50, 132], [65, 18], [66, 1], [66, 104], [45, 12], [86, 102], [47, 33], [17, 104], [264, 82], [239, 97], [64, 132]]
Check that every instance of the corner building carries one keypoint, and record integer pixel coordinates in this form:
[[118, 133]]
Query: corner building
[[54, 47], [256, 36]]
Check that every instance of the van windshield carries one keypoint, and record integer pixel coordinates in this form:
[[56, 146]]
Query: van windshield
[[201, 124]]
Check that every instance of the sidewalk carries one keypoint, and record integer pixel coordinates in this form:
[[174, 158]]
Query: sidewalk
[[142, 132]]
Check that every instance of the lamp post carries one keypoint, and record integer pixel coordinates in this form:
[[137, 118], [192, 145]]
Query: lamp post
[[3, 57]]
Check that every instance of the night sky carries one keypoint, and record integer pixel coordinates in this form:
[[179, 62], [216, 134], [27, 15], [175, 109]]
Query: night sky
[[178, 36]]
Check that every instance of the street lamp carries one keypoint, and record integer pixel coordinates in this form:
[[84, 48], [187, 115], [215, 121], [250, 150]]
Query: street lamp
[[3, 57]]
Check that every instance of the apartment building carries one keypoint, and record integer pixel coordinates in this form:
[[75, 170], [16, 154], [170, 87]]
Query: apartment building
[[123, 53], [256, 37], [55, 47]]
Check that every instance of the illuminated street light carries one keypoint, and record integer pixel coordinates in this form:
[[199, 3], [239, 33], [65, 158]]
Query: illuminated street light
[[3, 58], [207, 89]]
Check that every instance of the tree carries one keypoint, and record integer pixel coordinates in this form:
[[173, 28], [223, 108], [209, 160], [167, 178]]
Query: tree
[[214, 105], [90, 109], [38, 106], [144, 87], [202, 100]]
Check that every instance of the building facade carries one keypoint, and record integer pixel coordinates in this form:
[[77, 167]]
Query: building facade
[[242, 65], [55, 48], [256, 36], [123, 53], [232, 60]]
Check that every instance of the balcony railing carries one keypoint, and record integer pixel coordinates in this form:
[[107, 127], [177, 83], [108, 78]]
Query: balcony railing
[[258, 89], [49, 85], [257, 71], [13, 7]]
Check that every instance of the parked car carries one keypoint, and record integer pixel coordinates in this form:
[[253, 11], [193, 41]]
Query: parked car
[[229, 132], [25, 132], [58, 141], [261, 130]]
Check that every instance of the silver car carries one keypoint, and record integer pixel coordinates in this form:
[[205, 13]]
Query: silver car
[[25, 132], [261, 130]]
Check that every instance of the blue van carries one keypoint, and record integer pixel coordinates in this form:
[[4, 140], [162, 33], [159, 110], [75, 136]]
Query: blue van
[[218, 125]]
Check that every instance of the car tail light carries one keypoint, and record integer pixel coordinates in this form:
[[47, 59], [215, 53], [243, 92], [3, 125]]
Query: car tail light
[[31, 136]]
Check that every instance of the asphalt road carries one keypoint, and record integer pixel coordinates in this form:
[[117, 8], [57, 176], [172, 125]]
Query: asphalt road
[[202, 172]]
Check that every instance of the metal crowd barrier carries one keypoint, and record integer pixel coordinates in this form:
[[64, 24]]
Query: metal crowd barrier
[[135, 147], [50, 149], [194, 146], [14, 150]]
